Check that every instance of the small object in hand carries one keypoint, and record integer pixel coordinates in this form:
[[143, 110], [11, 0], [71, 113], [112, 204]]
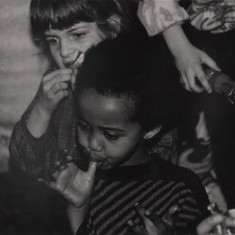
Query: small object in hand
[[214, 209]]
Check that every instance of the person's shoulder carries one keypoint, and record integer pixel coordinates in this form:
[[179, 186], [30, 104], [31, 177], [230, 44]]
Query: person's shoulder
[[170, 171]]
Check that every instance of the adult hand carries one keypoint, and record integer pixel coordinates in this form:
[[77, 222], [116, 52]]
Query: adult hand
[[201, 167], [189, 63], [207, 225], [74, 184]]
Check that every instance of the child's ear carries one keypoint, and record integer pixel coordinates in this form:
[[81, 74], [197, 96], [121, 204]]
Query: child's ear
[[115, 21], [152, 133]]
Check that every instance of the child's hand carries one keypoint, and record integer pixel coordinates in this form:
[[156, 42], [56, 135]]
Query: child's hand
[[153, 225], [74, 184], [53, 88], [189, 63]]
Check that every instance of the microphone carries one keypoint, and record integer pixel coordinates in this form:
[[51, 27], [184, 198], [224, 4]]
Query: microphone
[[220, 83]]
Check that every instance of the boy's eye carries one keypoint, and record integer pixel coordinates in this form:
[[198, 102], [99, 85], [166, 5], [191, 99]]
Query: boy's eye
[[52, 41], [111, 136]]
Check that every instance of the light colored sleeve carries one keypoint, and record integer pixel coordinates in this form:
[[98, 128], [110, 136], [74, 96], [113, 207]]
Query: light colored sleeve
[[158, 15]]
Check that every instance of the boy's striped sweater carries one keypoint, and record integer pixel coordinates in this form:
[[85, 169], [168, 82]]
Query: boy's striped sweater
[[156, 185]]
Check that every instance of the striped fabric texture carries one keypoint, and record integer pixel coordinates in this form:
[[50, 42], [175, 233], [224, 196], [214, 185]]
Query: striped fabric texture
[[157, 186]]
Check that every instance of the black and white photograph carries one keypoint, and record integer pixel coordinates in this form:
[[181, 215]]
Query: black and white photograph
[[117, 117]]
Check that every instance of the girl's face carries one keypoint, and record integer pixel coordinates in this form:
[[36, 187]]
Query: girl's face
[[66, 45], [105, 131]]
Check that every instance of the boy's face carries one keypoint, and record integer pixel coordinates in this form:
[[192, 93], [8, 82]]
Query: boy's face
[[65, 45], [105, 131]]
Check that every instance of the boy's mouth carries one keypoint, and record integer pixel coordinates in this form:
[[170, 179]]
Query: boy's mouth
[[92, 157], [99, 163]]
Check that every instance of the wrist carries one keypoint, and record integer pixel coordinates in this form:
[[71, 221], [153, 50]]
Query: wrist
[[37, 121], [176, 40], [76, 216], [42, 112]]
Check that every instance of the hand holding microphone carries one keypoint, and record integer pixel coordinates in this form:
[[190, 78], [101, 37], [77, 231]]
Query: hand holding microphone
[[220, 83]]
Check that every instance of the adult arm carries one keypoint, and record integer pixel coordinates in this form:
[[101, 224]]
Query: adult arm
[[166, 17]]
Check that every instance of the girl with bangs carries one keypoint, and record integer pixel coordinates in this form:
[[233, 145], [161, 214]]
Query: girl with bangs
[[63, 30]]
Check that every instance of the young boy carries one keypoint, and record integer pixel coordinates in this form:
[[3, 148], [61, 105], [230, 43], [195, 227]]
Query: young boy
[[120, 103]]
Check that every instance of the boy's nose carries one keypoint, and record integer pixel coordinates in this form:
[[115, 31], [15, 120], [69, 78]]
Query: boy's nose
[[95, 143], [67, 49]]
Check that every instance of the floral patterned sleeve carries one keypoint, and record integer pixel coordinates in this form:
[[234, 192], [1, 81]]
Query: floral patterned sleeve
[[215, 16], [158, 15]]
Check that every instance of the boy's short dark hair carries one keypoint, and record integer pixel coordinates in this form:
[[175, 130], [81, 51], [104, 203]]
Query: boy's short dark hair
[[62, 14], [123, 67]]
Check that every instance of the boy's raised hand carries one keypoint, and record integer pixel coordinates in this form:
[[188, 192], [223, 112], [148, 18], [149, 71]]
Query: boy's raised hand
[[153, 224], [74, 184], [189, 63], [53, 88]]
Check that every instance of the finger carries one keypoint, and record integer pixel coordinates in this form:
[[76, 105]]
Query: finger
[[203, 166], [185, 82], [55, 98], [66, 176], [140, 210], [210, 62], [49, 76], [230, 222], [171, 215], [49, 184], [51, 94], [150, 227], [203, 78], [134, 228], [156, 220], [209, 223], [192, 81], [48, 85], [91, 171], [60, 95], [59, 87]]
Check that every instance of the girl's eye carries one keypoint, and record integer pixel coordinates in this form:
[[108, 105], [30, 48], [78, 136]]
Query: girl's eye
[[78, 35], [83, 126], [111, 136], [52, 41]]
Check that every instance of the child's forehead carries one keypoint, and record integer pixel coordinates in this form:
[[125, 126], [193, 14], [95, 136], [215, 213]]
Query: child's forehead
[[108, 101], [79, 26]]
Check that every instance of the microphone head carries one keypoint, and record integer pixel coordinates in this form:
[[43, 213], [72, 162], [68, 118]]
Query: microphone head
[[217, 80], [220, 83]]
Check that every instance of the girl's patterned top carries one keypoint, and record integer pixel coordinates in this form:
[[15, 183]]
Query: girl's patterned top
[[216, 16]]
